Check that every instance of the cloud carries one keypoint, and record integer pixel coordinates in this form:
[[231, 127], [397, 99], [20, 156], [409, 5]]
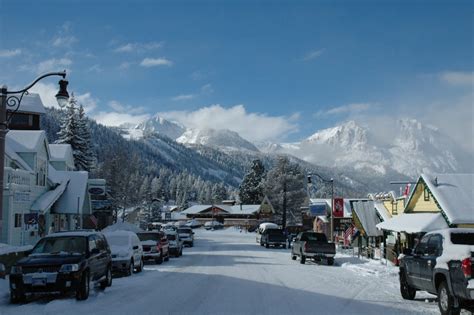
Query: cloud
[[457, 78], [125, 65], [154, 62], [48, 91], [207, 89], [5, 53], [353, 108], [49, 66], [137, 47], [313, 54], [251, 126], [183, 97], [64, 41], [121, 114], [95, 68]]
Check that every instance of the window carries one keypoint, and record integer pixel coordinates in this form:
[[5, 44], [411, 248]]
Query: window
[[92, 244], [435, 245], [426, 194], [41, 173], [17, 220], [394, 207], [422, 246]]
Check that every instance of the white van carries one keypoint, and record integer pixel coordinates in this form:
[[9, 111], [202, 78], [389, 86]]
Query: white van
[[127, 251], [262, 227]]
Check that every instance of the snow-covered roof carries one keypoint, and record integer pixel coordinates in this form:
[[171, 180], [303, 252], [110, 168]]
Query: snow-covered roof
[[32, 103], [73, 197], [26, 140], [414, 223], [53, 175], [46, 200], [237, 209], [382, 211], [122, 226], [454, 194], [365, 211], [15, 157], [61, 152]]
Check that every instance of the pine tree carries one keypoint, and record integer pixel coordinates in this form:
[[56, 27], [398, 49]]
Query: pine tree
[[285, 187], [86, 160], [69, 132], [251, 188]]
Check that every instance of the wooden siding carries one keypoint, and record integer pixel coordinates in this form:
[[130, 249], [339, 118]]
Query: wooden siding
[[418, 202]]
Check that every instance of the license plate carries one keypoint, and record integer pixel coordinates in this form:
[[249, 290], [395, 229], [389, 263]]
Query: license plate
[[39, 281]]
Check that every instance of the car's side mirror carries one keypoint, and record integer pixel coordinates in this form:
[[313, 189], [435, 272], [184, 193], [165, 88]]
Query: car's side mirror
[[3, 271], [95, 251], [135, 247], [294, 239], [407, 252]]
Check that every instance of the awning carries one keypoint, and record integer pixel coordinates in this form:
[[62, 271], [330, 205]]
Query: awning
[[414, 223], [46, 200], [367, 215]]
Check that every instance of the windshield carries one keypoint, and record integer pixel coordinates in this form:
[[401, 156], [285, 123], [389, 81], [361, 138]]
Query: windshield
[[117, 240], [171, 237], [149, 236], [61, 245], [462, 238], [314, 237], [274, 231]]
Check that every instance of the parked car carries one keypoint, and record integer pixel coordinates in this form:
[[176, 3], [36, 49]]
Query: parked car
[[193, 224], [313, 245], [273, 237], [169, 227], [186, 234], [176, 244], [262, 227], [155, 226], [67, 261], [442, 264], [155, 246], [127, 252], [213, 225]]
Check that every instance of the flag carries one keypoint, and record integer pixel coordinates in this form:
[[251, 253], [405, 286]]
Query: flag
[[348, 233], [406, 192]]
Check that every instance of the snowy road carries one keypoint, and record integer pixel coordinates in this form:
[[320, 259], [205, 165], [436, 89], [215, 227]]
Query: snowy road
[[228, 273]]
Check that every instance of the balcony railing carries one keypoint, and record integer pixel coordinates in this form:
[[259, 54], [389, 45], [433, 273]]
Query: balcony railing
[[19, 177]]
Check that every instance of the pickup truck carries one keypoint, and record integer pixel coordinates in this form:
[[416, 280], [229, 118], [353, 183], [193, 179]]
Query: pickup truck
[[442, 263], [273, 237], [313, 245]]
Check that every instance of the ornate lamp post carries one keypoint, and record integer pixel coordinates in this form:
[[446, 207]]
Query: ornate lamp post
[[12, 99], [330, 181]]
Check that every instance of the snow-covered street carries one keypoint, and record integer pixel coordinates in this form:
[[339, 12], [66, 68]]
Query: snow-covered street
[[226, 272]]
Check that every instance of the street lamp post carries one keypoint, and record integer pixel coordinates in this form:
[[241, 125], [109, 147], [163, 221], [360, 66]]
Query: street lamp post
[[12, 99], [331, 181]]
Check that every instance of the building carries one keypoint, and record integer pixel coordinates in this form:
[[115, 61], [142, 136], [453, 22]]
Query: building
[[42, 192], [231, 214]]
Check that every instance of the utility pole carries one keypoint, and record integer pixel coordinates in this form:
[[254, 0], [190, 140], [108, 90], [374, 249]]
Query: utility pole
[[283, 219]]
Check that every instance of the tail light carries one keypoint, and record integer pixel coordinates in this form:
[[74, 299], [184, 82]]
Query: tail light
[[466, 266]]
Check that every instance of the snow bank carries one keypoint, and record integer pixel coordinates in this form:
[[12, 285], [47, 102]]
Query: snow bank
[[122, 226], [8, 249]]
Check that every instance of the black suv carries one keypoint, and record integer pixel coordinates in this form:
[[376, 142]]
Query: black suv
[[63, 262], [442, 264]]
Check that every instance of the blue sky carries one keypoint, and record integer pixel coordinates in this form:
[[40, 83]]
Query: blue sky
[[280, 70]]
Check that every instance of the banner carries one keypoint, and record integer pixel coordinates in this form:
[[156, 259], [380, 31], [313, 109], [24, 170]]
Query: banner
[[338, 211], [317, 209]]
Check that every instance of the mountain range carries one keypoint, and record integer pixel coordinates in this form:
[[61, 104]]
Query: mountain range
[[405, 148]]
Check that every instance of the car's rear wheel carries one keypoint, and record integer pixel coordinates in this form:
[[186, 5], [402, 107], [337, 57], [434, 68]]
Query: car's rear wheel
[[446, 301], [180, 252], [82, 292], [140, 267], [293, 257], [302, 259], [330, 261], [167, 258], [267, 245], [17, 296], [108, 279], [159, 260], [131, 268], [408, 293]]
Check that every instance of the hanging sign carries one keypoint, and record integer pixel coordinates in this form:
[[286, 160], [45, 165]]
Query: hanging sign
[[338, 211]]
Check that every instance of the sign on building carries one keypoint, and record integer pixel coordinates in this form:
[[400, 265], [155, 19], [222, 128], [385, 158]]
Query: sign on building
[[338, 211]]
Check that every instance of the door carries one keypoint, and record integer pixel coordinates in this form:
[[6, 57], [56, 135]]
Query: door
[[418, 255], [427, 262], [102, 259], [94, 257]]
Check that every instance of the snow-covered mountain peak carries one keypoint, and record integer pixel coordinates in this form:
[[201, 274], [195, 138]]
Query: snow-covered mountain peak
[[349, 134], [223, 138]]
